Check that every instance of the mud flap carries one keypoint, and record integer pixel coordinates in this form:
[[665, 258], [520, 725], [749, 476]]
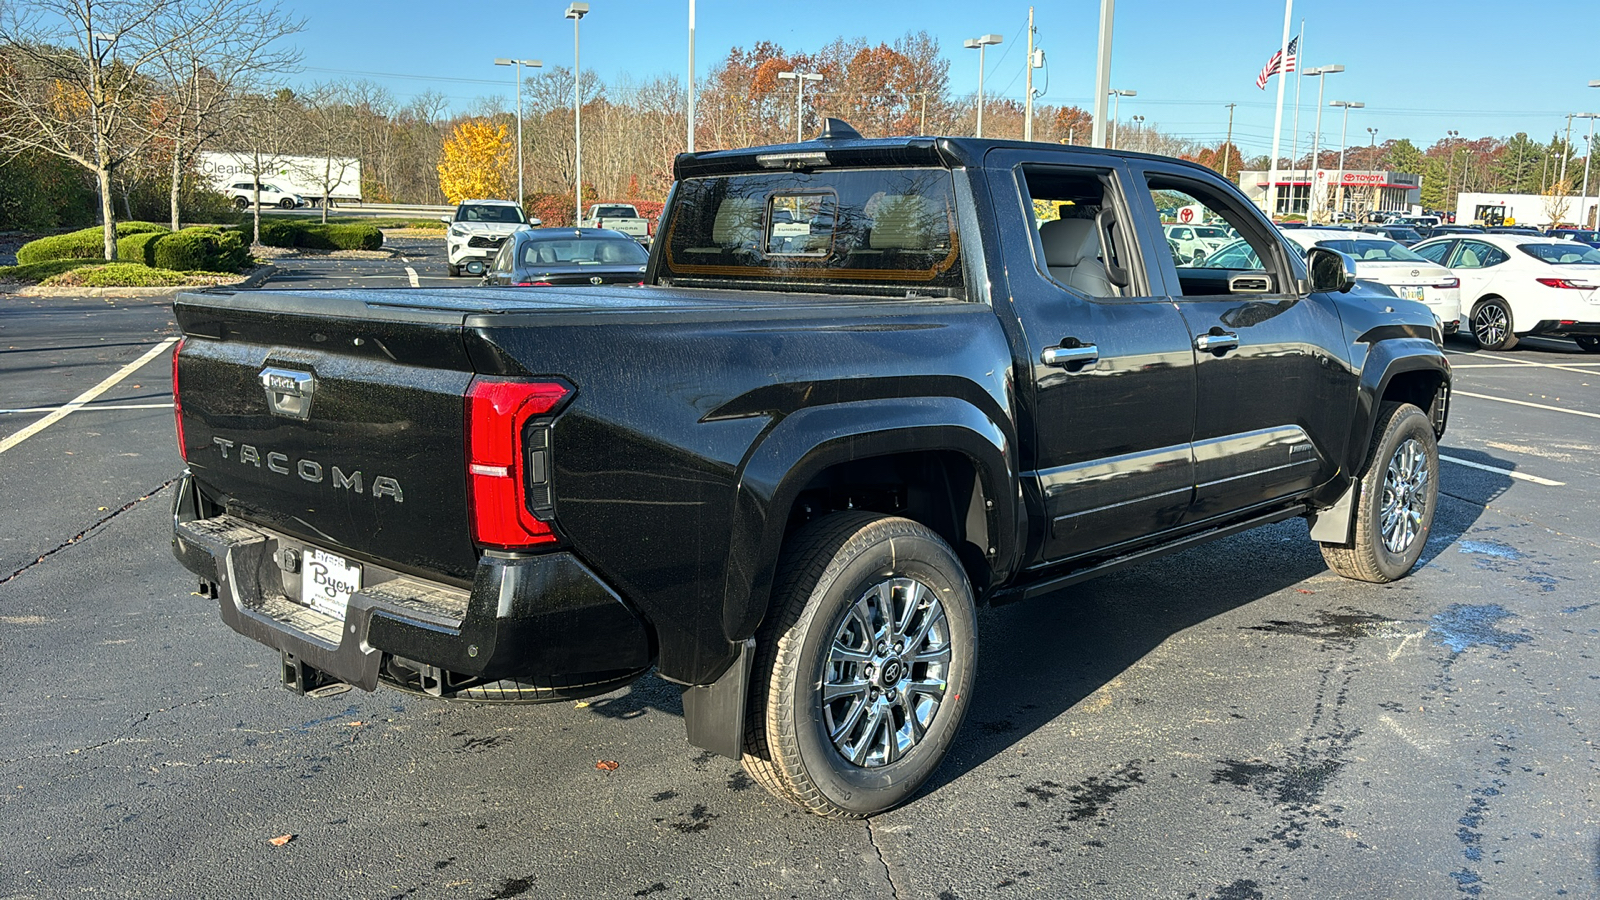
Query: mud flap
[[714, 713], [1334, 524]]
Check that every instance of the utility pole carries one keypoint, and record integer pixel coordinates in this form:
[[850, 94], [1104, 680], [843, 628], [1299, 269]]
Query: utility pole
[[1566, 151], [1102, 73], [1027, 109], [691, 76], [1227, 149]]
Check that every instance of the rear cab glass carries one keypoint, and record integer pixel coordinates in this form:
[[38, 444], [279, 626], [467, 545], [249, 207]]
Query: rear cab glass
[[882, 231]]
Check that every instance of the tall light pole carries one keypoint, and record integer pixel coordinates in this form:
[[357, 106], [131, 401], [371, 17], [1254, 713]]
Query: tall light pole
[[1138, 129], [800, 79], [1450, 166], [519, 63], [1588, 151], [691, 76], [979, 43], [1116, 111], [1566, 151], [1347, 105], [1315, 205], [576, 12]]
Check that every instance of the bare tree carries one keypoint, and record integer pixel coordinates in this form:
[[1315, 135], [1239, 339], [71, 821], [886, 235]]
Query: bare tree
[[234, 47], [265, 128], [328, 131]]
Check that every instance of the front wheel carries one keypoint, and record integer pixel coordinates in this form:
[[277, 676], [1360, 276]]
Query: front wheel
[[241, 203], [1492, 323], [1588, 343], [286, 203], [454, 271], [864, 670], [1399, 494]]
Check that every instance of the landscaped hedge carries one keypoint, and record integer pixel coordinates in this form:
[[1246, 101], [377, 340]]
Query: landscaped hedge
[[139, 248], [316, 236], [88, 243], [201, 249]]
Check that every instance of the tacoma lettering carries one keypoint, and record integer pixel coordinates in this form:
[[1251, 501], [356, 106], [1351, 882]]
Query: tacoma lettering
[[308, 470]]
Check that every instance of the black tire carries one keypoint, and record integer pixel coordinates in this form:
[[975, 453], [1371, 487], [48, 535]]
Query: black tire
[[1588, 343], [835, 577], [241, 203], [286, 203], [1400, 476], [1492, 324], [454, 271]]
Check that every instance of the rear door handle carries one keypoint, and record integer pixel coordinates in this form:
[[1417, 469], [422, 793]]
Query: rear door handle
[[1070, 356], [1216, 341]]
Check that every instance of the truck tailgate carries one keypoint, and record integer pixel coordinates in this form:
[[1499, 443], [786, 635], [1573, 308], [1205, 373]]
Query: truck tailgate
[[333, 419]]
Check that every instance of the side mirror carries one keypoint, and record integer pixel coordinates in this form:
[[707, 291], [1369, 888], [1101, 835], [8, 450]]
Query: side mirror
[[1330, 270], [445, 219]]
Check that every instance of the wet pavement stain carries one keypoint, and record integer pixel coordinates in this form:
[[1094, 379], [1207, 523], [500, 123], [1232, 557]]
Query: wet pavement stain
[[1492, 549], [700, 820], [1460, 627], [1243, 889], [1089, 798], [1344, 626], [511, 887]]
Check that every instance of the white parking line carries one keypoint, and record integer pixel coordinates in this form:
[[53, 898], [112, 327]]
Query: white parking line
[[412, 274], [1570, 412], [92, 408], [1499, 471], [79, 401], [1512, 365]]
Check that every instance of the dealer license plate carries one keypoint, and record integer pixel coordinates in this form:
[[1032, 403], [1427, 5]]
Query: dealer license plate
[[327, 581], [1411, 292]]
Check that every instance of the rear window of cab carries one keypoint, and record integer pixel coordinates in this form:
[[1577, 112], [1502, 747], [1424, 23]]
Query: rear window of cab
[[881, 230]]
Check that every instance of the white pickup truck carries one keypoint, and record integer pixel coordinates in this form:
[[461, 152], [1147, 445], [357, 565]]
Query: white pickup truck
[[621, 217]]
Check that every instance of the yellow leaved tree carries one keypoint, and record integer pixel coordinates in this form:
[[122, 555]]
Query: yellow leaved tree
[[475, 162]]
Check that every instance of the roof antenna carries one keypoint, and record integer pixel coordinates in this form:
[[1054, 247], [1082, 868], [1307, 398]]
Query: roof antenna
[[838, 130]]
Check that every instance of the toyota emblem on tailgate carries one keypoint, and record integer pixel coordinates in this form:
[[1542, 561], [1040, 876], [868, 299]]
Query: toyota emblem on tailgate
[[596, 279], [289, 392]]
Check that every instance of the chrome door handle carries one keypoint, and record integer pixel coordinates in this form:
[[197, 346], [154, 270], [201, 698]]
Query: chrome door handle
[[1216, 343], [1070, 356]]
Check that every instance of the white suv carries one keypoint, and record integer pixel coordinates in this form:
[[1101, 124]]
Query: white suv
[[477, 230], [243, 194]]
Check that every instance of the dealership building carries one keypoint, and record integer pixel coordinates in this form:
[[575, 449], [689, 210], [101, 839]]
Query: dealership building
[[1364, 191]]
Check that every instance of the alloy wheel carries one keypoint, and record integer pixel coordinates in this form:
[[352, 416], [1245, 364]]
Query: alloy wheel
[[1405, 496]]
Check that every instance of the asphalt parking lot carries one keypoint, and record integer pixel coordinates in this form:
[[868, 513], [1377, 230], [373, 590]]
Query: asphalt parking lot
[[1230, 722]]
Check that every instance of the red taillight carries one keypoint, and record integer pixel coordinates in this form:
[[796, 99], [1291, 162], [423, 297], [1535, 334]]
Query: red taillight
[[1449, 283], [177, 402], [532, 284], [506, 458], [1567, 283]]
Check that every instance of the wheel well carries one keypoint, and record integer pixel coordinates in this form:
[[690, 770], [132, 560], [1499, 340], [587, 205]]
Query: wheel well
[[939, 489], [1423, 389]]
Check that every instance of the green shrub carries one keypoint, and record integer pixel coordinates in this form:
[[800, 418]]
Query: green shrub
[[139, 248], [32, 273], [316, 236], [89, 243], [206, 248], [117, 274], [279, 234]]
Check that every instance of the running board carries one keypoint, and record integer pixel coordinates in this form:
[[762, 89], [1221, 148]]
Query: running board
[[1051, 585]]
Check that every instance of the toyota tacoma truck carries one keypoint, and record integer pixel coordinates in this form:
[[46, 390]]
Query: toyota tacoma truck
[[866, 386]]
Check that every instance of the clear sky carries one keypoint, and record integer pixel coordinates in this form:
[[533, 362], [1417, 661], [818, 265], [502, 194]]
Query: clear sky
[[1476, 66]]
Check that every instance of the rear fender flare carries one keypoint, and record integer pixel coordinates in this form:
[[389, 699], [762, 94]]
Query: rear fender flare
[[806, 443], [1386, 360]]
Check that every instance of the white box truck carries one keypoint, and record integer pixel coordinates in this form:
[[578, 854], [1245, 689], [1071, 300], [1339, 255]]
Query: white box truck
[[304, 176]]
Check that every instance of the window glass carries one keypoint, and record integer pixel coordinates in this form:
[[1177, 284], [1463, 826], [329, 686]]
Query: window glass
[[1477, 255], [485, 212], [1075, 223], [1372, 250], [576, 251], [1435, 252], [874, 230], [1563, 254], [1222, 228]]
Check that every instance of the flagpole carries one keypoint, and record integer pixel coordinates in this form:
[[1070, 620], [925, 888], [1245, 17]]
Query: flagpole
[[1294, 154], [1277, 118]]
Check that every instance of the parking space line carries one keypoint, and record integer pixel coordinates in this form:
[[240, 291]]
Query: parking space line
[[1499, 471], [412, 274], [84, 398], [1579, 367], [1570, 412], [91, 408]]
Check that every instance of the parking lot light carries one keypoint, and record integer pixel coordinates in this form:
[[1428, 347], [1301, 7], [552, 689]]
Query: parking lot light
[[800, 79], [1116, 111], [1314, 202], [519, 63], [978, 44], [1583, 212], [1343, 129], [576, 12]]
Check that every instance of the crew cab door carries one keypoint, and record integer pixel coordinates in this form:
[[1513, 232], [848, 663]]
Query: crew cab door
[[1108, 375], [1275, 390]]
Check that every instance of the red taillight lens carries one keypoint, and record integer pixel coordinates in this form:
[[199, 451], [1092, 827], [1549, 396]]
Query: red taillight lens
[[1567, 283], [1449, 283], [506, 458], [177, 401], [532, 284]]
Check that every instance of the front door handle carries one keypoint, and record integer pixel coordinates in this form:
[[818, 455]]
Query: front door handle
[[1070, 356], [1216, 341]]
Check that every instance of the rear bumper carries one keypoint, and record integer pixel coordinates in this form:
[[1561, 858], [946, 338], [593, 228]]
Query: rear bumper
[[1559, 328], [545, 616]]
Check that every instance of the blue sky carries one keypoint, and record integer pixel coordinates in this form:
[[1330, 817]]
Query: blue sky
[[1421, 68]]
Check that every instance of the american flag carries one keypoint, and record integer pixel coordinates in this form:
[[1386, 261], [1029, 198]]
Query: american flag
[[1274, 65]]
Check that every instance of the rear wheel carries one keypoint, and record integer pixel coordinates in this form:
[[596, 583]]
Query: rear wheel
[[1588, 343], [241, 203], [864, 670], [1395, 507], [453, 270], [1492, 324]]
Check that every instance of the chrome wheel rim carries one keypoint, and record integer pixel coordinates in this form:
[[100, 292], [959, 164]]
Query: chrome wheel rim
[[887, 672], [1405, 496], [1490, 325]]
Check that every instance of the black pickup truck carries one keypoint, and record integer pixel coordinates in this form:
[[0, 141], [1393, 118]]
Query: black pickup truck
[[866, 385]]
